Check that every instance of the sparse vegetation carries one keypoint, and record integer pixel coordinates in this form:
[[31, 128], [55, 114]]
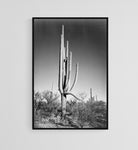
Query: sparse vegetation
[[47, 112]]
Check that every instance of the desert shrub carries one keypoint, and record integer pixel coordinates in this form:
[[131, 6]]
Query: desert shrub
[[97, 113], [46, 103], [82, 112], [72, 108], [37, 100], [52, 102], [92, 113]]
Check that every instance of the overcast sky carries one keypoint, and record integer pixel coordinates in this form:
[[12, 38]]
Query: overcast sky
[[87, 41]]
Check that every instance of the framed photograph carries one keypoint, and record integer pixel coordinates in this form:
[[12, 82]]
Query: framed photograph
[[70, 73]]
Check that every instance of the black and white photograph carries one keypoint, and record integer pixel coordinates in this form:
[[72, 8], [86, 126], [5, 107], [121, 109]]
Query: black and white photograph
[[70, 73]]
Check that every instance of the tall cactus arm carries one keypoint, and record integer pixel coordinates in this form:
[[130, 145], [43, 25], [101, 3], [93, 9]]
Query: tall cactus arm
[[69, 64], [66, 74], [66, 67], [76, 76], [63, 56], [62, 43], [70, 67], [70, 61], [67, 50], [63, 29], [60, 72], [63, 72]]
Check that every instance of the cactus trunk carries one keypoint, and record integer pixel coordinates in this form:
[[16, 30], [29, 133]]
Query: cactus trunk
[[63, 105]]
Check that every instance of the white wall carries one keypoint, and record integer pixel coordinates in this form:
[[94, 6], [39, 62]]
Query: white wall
[[16, 71]]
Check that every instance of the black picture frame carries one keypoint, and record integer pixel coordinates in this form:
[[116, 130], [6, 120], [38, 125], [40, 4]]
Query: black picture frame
[[107, 71]]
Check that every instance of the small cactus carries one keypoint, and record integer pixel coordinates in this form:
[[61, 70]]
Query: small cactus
[[91, 97]]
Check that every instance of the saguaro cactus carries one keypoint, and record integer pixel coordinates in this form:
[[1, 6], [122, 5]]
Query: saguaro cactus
[[65, 66], [91, 96], [91, 93]]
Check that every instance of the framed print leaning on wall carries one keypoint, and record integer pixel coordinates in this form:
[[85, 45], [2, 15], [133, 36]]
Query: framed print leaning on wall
[[70, 73]]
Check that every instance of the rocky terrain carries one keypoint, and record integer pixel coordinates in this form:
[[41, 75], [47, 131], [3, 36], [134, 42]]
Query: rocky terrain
[[56, 122]]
